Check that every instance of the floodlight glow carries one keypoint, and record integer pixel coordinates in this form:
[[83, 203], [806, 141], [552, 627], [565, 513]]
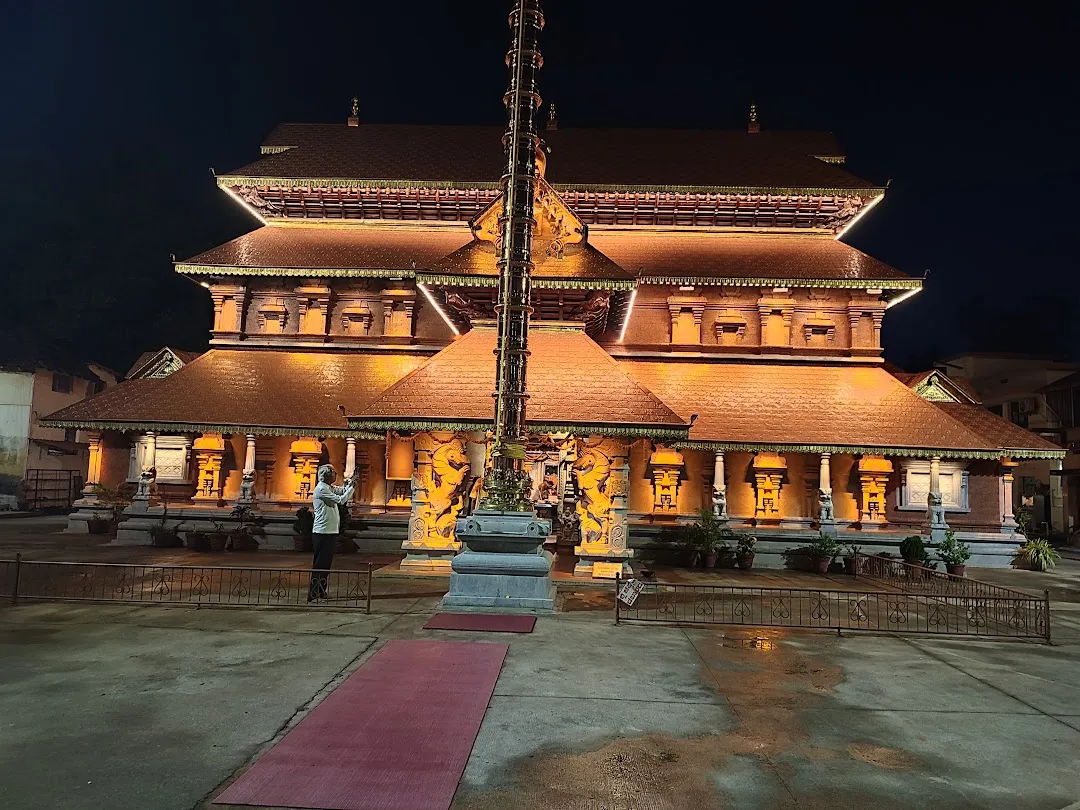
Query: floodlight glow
[[250, 208], [903, 297], [863, 212], [626, 318], [439, 309]]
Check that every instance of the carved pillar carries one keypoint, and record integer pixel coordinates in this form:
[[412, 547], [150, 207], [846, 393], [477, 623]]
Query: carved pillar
[[769, 471], [666, 467], [1057, 498], [1008, 519], [603, 484], [874, 474], [350, 466], [719, 487], [141, 498], [247, 479], [93, 469], [826, 512], [440, 477], [209, 450], [388, 316], [306, 453]]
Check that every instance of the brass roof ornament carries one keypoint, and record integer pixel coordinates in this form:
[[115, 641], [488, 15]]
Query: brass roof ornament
[[753, 126], [354, 119]]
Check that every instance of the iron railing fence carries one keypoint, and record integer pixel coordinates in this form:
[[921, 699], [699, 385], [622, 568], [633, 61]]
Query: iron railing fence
[[910, 578], [1022, 616], [23, 580]]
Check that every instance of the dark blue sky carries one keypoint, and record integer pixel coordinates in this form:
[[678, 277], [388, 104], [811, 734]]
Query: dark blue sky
[[115, 112]]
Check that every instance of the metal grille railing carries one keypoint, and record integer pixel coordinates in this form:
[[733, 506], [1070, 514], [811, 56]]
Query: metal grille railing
[[1021, 616], [185, 585], [910, 578]]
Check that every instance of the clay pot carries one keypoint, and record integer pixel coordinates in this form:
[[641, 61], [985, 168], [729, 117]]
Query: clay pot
[[198, 541], [218, 540], [711, 558], [956, 570], [849, 566], [821, 564], [746, 561]]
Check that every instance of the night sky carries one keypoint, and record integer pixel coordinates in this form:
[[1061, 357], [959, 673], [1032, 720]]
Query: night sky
[[114, 113]]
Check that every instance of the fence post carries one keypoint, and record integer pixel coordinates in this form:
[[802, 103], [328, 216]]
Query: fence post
[[857, 555], [1045, 606], [367, 608], [618, 577], [18, 570]]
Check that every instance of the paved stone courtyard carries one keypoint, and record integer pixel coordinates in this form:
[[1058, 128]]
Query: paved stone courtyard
[[132, 707]]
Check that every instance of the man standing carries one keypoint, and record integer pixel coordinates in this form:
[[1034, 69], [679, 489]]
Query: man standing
[[325, 500]]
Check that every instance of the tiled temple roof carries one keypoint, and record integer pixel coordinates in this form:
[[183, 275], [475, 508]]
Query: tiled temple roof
[[245, 390], [580, 263], [471, 156], [993, 429], [363, 248], [818, 408], [678, 255], [572, 383]]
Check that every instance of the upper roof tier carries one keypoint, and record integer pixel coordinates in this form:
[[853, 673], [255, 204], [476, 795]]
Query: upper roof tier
[[581, 159]]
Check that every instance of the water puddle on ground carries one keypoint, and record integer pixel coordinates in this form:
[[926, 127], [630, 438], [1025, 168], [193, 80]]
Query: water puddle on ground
[[768, 681]]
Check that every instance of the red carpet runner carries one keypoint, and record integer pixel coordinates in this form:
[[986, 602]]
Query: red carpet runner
[[394, 736], [492, 622]]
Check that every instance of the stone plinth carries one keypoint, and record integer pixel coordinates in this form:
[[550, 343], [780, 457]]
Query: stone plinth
[[504, 565]]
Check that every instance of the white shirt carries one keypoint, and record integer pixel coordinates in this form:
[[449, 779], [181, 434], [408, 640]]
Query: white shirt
[[325, 500]]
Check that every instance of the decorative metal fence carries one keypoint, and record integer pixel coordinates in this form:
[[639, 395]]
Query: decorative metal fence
[[1019, 616], [909, 578], [25, 580]]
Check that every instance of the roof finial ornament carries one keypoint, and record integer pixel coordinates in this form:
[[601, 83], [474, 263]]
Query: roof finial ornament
[[553, 119], [753, 126], [354, 119]]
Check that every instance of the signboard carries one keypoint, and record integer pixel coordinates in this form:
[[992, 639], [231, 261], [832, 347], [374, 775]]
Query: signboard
[[630, 591], [606, 570]]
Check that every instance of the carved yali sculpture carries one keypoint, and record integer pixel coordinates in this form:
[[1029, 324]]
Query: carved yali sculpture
[[596, 489], [439, 486], [825, 506]]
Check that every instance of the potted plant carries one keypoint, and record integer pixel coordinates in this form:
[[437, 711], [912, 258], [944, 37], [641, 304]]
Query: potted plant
[[744, 551], [954, 554], [851, 557], [242, 537], [161, 534], [197, 540], [98, 525], [115, 502], [912, 549], [302, 528], [218, 538], [823, 551], [1036, 554], [707, 538]]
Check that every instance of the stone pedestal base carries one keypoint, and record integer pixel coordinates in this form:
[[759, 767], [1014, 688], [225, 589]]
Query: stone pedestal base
[[587, 558], [796, 523], [504, 566], [872, 525], [79, 520], [419, 557], [828, 527]]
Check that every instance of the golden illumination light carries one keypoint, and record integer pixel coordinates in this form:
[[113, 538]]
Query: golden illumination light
[[626, 318], [250, 208], [863, 212], [903, 297], [439, 309]]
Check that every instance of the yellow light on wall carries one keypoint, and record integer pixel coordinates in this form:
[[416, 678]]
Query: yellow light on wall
[[862, 213], [626, 318], [439, 309], [248, 206]]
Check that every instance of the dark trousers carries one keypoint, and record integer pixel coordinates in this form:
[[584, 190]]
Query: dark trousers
[[324, 558]]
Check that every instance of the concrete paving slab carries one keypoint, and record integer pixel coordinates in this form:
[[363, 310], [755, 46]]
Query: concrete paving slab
[[598, 660], [929, 759], [124, 716]]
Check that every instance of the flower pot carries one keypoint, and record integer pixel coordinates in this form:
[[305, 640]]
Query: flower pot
[[711, 558], [745, 561], [242, 541], [97, 525], [849, 566], [821, 564], [956, 570], [198, 541], [218, 541], [302, 542]]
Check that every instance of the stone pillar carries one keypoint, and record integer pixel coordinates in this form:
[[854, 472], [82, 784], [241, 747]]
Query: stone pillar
[[1057, 499], [719, 487], [247, 479], [350, 468], [602, 472], [1008, 519], [209, 450], [440, 477], [826, 509], [874, 472], [768, 476], [140, 501], [93, 469], [666, 466]]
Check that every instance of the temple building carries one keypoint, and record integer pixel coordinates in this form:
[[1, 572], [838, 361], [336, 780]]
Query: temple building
[[702, 338]]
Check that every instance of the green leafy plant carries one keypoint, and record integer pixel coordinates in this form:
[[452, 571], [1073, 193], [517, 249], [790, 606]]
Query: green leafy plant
[[243, 536], [824, 545], [952, 551], [1036, 554], [708, 534], [115, 501], [161, 534], [912, 549], [304, 525], [745, 544]]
